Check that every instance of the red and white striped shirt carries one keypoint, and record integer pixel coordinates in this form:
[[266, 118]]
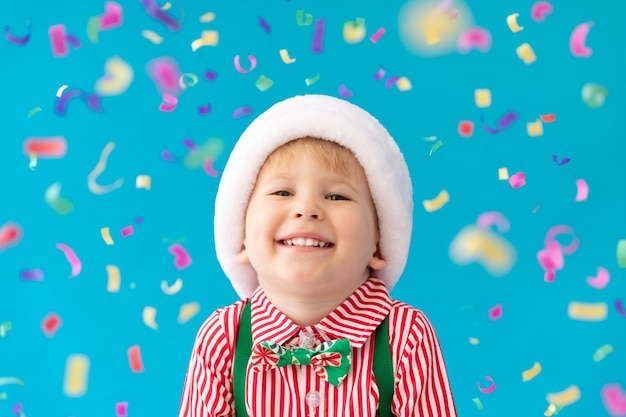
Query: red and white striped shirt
[[421, 382]]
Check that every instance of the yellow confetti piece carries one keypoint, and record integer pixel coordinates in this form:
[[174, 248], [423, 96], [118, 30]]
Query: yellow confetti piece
[[482, 97], [207, 17], [311, 81], [149, 315], [187, 311], [403, 84], [587, 311], [511, 20], [264, 83], [552, 409], [166, 6], [33, 161], [76, 375], [601, 352], [284, 55], [354, 32], [106, 235], [529, 374], [114, 278], [525, 53], [438, 202], [118, 77], [33, 111], [474, 341], [152, 36], [208, 38], [478, 403], [174, 288], [94, 187], [566, 397], [143, 181], [534, 128], [60, 90], [503, 173]]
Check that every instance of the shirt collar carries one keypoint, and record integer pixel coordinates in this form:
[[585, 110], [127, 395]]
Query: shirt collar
[[355, 319]]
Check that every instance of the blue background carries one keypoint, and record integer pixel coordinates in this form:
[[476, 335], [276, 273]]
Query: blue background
[[534, 327]]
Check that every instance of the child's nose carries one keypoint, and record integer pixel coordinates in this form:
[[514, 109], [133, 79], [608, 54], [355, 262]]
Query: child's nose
[[307, 208]]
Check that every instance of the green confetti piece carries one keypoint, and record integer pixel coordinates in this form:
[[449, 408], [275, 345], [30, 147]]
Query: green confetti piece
[[478, 403], [435, 147], [602, 352], [303, 19], [621, 253], [4, 328], [209, 149], [311, 81], [264, 83], [93, 29], [62, 206]]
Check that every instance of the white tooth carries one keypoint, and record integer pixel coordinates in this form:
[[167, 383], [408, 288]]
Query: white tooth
[[287, 242], [300, 241], [310, 242]]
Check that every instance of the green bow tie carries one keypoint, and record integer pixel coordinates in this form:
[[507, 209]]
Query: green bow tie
[[330, 360]]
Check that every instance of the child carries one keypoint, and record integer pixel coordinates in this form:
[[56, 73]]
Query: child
[[312, 226]]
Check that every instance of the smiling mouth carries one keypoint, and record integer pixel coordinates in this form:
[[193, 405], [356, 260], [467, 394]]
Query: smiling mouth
[[306, 242]]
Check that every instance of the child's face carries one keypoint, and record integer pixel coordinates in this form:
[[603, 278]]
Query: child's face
[[310, 230]]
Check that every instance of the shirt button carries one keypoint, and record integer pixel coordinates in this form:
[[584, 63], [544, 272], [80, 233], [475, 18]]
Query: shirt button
[[307, 340], [313, 399]]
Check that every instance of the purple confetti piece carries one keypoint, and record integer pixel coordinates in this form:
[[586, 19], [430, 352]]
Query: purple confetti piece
[[563, 161], [189, 144], [204, 109], [487, 128], [619, 306], [73, 40], [157, 13], [93, 101], [167, 155], [242, 111], [391, 81], [379, 74], [210, 75], [16, 39], [31, 275], [318, 37], [17, 409], [264, 24], [506, 120], [138, 220], [344, 92]]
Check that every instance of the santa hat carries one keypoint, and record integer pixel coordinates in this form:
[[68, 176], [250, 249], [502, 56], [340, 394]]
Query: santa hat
[[326, 118]]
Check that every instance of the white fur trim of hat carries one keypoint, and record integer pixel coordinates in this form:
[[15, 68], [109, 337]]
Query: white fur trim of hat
[[328, 118]]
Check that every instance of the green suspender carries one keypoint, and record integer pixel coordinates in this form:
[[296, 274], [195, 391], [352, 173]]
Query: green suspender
[[383, 366]]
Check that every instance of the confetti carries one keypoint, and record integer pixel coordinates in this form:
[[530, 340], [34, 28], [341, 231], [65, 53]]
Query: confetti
[[59, 41], [311, 81], [582, 190], [121, 409], [242, 111], [354, 32], [33, 161], [93, 29], [149, 315], [601, 279], [466, 128], [165, 73], [113, 16], [4, 328], [525, 53], [113, 278], [594, 95], [503, 173], [92, 100], [209, 149], [187, 311], [284, 55], [118, 76], [48, 147], [490, 218], [33, 111], [566, 397], [376, 36], [169, 103], [71, 258], [51, 324], [344, 92], [495, 312], [252, 60], [534, 128], [143, 181], [601, 352], [181, 258], [614, 399], [53, 198], [207, 38], [207, 17], [11, 380], [562, 229], [264, 25], [379, 74], [621, 251], [61, 90], [540, 10], [31, 275], [128, 231], [157, 13], [152, 36], [474, 38], [106, 235], [208, 167], [587, 311], [473, 244], [482, 97], [76, 375], [16, 39], [548, 118], [303, 19], [263, 83], [438, 202], [134, 359], [210, 75], [479, 405], [391, 81], [511, 20], [187, 80], [205, 109], [172, 289], [577, 41], [403, 84], [10, 235], [529, 374], [489, 390], [563, 161], [503, 122], [436, 146], [517, 180], [318, 37], [94, 187], [619, 306]]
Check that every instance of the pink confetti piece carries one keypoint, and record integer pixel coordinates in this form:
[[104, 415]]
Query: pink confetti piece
[[344, 92], [51, 323], [181, 258], [50, 147], [559, 230], [10, 235], [379, 74], [92, 100], [582, 190], [495, 312], [474, 38], [112, 17], [252, 60], [490, 218], [77, 266], [577, 41], [169, 103], [601, 279], [31, 275], [128, 231], [208, 167], [489, 390], [376, 36], [264, 25], [614, 399], [165, 73], [619, 306], [551, 257], [134, 359], [210, 75], [391, 81], [317, 44], [242, 111], [563, 161], [58, 43], [204, 109], [540, 10], [121, 409], [16, 39], [517, 180], [155, 11]]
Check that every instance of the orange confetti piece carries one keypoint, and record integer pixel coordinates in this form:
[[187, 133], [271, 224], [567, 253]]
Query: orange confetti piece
[[548, 118]]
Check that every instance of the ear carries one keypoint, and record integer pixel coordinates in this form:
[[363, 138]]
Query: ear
[[242, 256], [377, 261]]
